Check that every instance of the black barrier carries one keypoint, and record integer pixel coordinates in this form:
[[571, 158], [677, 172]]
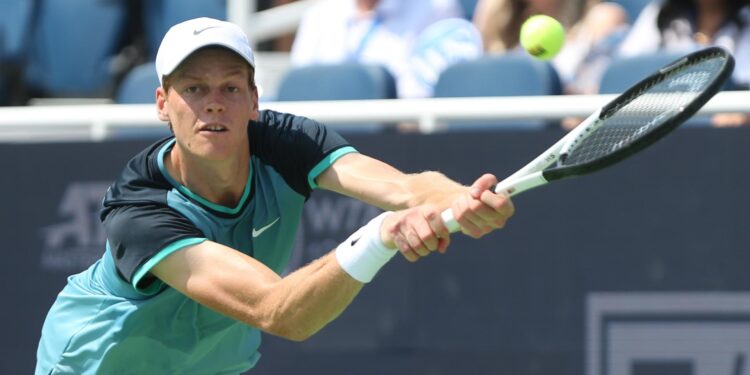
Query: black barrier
[[520, 301]]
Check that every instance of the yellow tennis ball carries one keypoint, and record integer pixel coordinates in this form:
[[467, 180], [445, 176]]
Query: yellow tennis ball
[[542, 36]]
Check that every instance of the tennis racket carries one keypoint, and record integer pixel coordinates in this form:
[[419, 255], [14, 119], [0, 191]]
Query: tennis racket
[[637, 118]]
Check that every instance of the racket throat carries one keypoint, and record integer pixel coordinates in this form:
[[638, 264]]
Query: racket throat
[[514, 186]]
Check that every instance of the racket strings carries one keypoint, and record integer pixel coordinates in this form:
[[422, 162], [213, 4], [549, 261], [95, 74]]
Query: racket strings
[[647, 110]]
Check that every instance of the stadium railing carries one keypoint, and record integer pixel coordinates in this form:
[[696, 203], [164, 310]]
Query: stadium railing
[[106, 121]]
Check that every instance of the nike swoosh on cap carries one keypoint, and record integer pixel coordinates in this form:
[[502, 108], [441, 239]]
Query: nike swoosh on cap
[[257, 232], [198, 31]]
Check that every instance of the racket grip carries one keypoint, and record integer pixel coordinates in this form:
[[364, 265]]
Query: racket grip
[[450, 221]]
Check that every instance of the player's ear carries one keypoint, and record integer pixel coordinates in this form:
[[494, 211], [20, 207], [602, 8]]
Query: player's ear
[[161, 104], [255, 91], [254, 102]]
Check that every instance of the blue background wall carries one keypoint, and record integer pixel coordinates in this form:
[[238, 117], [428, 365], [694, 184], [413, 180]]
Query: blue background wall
[[673, 218]]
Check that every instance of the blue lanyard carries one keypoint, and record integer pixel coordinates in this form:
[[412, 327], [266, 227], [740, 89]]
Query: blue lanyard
[[355, 55]]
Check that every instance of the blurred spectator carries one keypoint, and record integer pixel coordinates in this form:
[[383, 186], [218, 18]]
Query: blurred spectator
[[688, 25], [370, 31], [593, 31], [282, 42]]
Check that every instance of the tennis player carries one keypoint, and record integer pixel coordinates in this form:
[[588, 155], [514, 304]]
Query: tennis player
[[200, 225]]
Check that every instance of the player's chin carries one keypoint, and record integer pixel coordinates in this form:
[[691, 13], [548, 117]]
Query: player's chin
[[215, 151], [217, 140]]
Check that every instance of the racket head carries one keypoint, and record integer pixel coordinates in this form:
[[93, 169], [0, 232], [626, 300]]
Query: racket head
[[645, 113]]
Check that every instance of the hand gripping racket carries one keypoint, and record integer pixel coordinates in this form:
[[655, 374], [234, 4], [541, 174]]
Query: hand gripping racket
[[631, 122]]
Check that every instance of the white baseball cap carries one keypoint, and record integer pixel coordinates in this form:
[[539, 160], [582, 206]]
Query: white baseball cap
[[189, 36]]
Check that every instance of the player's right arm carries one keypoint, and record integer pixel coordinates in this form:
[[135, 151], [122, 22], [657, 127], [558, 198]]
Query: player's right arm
[[236, 285], [295, 306]]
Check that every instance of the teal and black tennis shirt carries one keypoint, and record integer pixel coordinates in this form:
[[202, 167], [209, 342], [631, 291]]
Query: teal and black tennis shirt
[[116, 318]]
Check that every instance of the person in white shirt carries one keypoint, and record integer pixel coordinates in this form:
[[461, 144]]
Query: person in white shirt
[[370, 31]]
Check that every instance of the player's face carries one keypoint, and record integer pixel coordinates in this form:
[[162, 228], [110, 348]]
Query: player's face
[[209, 103]]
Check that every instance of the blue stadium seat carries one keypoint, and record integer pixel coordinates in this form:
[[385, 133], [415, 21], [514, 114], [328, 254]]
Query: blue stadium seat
[[139, 85], [498, 75], [513, 74], [624, 72], [160, 15], [16, 18], [72, 47], [15, 26], [345, 81]]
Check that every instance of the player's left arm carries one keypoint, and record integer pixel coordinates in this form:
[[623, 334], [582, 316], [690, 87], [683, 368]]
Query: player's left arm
[[475, 207]]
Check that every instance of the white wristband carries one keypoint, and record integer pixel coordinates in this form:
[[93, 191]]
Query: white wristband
[[363, 253]]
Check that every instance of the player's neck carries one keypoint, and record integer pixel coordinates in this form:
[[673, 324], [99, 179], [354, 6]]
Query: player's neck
[[222, 183]]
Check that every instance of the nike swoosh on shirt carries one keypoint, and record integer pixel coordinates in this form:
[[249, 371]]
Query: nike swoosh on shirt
[[257, 232]]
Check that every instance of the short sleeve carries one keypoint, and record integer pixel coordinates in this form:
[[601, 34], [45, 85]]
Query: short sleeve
[[141, 234], [298, 148]]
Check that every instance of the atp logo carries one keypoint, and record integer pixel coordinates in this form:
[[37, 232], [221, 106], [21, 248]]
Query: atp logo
[[679, 333], [78, 239]]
